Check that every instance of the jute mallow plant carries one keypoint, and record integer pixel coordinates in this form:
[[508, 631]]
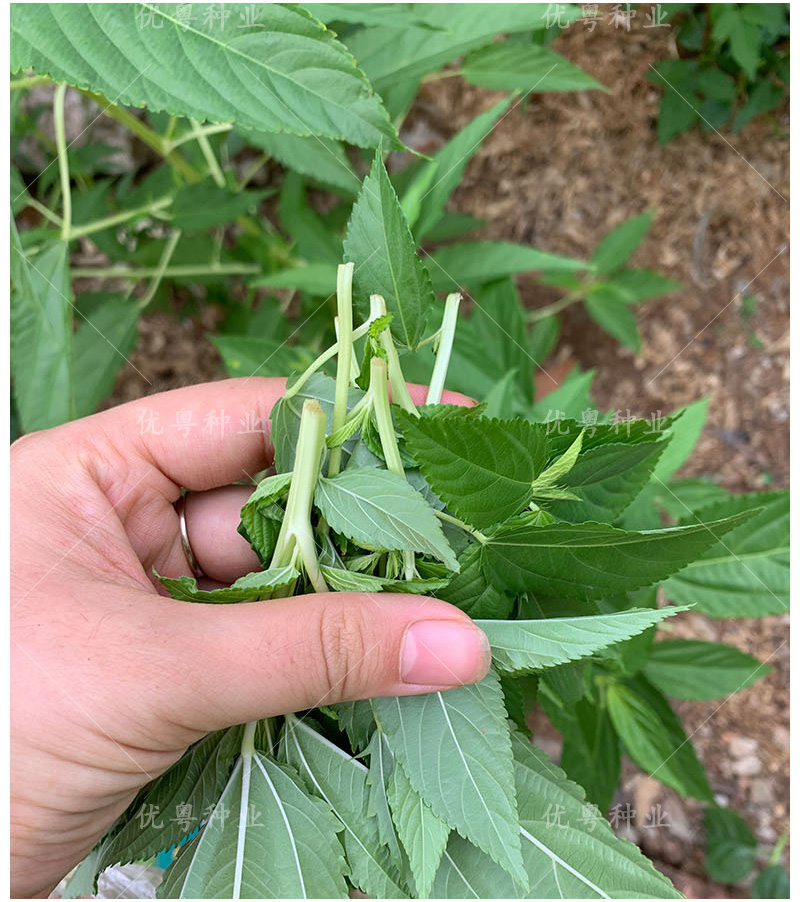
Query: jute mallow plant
[[440, 795]]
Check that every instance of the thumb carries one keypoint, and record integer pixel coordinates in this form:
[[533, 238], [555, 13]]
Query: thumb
[[274, 657]]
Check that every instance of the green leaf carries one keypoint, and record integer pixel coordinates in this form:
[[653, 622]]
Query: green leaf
[[341, 781], [522, 646], [316, 158], [316, 278], [747, 574], [606, 479], [472, 592], [473, 263], [253, 587], [142, 55], [593, 560], [448, 166], [350, 581], [692, 669], [380, 511], [591, 755], [202, 206], [383, 250], [313, 240], [570, 399], [402, 16], [261, 515], [654, 738], [454, 225], [41, 335], [743, 36], [620, 243], [679, 498], [682, 433], [584, 860], [559, 468], [569, 849], [106, 334], [482, 469], [771, 883], [634, 285], [285, 416], [379, 778], [178, 800], [730, 846], [492, 342], [80, 883], [357, 720], [267, 837], [389, 55], [616, 319], [422, 833], [245, 355], [455, 750], [764, 98], [524, 67], [676, 114]]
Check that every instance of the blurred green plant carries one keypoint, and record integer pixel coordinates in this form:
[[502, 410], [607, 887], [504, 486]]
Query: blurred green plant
[[733, 66]]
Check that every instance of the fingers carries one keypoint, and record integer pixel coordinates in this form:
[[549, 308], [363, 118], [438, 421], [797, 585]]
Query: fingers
[[212, 520], [200, 437], [266, 658], [204, 436], [419, 393]]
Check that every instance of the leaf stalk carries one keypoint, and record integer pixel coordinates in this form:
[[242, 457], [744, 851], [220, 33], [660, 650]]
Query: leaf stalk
[[446, 337], [63, 160]]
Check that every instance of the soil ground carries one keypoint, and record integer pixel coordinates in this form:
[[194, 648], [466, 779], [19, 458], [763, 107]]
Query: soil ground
[[559, 172]]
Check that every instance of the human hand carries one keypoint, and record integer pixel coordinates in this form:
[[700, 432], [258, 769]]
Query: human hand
[[112, 681]]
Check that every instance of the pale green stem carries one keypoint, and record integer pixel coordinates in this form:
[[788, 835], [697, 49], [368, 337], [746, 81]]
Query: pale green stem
[[248, 747], [344, 303], [123, 216], [448, 332], [775, 856], [397, 381], [462, 525], [295, 534], [63, 160], [166, 256], [208, 153], [430, 339], [379, 389], [323, 358], [198, 131], [145, 134], [171, 272], [556, 307], [252, 170], [354, 371], [29, 82], [437, 76], [173, 121], [45, 211]]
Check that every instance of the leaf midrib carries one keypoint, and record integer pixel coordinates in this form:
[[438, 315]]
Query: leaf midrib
[[289, 830], [333, 808]]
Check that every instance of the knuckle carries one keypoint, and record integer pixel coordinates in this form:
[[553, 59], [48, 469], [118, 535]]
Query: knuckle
[[343, 657]]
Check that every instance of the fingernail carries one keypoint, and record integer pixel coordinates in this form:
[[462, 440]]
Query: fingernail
[[444, 653]]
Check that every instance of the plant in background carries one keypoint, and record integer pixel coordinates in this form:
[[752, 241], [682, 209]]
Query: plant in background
[[548, 531], [733, 66]]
